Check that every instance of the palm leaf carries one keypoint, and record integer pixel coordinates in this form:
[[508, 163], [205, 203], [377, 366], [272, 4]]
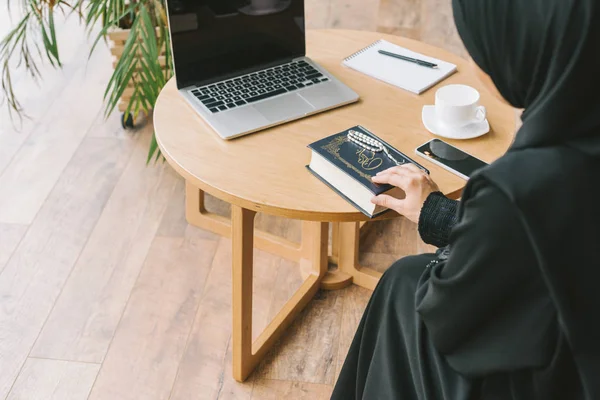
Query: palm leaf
[[15, 42], [34, 38], [153, 149], [139, 67]]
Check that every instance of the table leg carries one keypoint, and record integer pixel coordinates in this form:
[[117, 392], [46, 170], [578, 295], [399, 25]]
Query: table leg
[[349, 270], [335, 242], [242, 264], [246, 355], [197, 215]]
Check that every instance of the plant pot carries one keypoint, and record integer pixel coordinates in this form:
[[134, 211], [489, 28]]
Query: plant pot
[[117, 38]]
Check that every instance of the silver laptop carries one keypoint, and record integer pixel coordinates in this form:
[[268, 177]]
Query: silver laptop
[[241, 64]]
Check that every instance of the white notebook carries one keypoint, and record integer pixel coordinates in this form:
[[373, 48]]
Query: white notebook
[[404, 74]]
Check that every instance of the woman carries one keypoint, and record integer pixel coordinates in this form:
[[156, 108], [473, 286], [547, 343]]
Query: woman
[[507, 308]]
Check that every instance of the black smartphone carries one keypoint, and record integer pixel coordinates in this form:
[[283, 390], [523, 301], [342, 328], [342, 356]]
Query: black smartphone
[[450, 158]]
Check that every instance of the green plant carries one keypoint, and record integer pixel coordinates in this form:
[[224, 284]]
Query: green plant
[[33, 40]]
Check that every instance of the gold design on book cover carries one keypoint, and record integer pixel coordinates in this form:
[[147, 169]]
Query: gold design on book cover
[[368, 162], [364, 160]]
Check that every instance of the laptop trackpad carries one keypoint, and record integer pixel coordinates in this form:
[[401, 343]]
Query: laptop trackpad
[[283, 108]]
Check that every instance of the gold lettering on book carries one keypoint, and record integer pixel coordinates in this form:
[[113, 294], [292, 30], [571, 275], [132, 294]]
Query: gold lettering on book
[[367, 159], [333, 148]]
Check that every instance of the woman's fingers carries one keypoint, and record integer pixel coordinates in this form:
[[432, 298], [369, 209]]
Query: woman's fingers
[[393, 171], [389, 170], [388, 201], [405, 170], [396, 179], [413, 168], [415, 183], [401, 176]]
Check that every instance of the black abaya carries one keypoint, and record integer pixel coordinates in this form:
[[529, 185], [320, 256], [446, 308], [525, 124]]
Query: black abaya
[[509, 309], [480, 321]]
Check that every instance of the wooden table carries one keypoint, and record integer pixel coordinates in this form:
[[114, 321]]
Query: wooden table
[[265, 172]]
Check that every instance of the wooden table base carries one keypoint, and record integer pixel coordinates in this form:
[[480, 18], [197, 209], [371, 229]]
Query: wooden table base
[[197, 215], [311, 254], [345, 241], [246, 355], [189, 146]]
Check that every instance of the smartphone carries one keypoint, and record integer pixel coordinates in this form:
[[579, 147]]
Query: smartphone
[[450, 158]]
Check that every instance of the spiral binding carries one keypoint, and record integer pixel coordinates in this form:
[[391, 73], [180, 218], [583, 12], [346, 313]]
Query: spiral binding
[[351, 56]]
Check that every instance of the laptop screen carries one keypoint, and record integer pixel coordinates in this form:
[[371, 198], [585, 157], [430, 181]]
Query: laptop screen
[[217, 39]]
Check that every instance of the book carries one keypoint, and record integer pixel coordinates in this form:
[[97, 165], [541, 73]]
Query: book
[[403, 74], [347, 168]]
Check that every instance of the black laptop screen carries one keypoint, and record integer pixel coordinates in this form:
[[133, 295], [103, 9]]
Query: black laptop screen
[[216, 39]]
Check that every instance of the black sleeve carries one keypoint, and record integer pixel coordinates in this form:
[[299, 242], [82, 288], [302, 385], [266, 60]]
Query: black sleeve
[[485, 306], [438, 216]]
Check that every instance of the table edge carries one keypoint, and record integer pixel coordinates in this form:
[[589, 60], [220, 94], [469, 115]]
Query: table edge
[[304, 215]]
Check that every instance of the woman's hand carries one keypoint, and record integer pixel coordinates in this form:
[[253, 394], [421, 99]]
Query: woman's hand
[[415, 182]]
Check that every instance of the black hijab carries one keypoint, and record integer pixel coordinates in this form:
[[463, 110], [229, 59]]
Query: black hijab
[[544, 56]]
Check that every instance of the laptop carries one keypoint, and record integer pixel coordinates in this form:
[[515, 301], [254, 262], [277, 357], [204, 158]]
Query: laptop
[[242, 65]]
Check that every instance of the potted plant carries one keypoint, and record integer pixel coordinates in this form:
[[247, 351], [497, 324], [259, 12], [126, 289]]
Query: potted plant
[[140, 41]]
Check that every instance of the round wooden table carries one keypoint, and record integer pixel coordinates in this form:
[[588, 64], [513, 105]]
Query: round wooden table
[[265, 172]]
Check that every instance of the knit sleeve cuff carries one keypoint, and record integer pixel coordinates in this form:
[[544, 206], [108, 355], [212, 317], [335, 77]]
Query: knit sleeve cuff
[[438, 216]]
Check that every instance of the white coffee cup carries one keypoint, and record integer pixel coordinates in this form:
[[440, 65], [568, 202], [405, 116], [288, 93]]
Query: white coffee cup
[[264, 4], [458, 105]]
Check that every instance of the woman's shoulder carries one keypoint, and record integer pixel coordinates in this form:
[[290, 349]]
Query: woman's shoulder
[[529, 178], [487, 212], [482, 194]]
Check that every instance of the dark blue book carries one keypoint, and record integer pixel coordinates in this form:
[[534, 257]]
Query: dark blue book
[[347, 168]]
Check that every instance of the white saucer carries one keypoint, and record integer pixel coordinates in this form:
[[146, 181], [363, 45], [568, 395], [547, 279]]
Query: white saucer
[[466, 132]]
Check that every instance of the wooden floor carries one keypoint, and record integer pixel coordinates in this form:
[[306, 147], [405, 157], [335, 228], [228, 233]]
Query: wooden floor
[[107, 293]]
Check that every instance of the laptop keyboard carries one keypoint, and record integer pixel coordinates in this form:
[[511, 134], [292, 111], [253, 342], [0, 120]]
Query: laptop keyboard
[[257, 86]]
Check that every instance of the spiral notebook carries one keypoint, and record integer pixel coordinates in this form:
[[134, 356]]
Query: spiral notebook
[[406, 75]]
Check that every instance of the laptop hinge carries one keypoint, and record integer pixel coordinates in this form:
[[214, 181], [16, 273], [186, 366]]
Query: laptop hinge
[[244, 71]]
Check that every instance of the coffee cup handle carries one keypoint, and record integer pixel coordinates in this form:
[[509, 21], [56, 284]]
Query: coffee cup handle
[[480, 114]]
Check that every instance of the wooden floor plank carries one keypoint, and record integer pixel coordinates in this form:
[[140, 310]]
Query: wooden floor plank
[[33, 96], [266, 271], [151, 338], [269, 389], [88, 310], [287, 228], [36, 167], [173, 222], [377, 261], [54, 380], [38, 269], [355, 302], [288, 280], [386, 241], [111, 126], [232, 389], [290, 229], [400, 17], [289, 360], [317, 328], [353, 14], [10, 237], [438, 26], [317, 13], [205, 372]]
